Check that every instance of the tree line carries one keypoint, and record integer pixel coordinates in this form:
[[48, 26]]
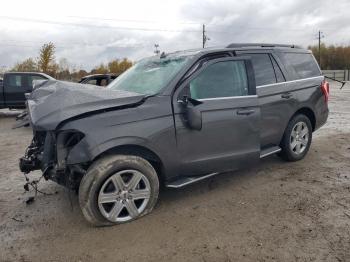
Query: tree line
[[62, 70], [332, 57]]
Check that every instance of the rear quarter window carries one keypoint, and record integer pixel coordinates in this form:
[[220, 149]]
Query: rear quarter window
[[303, 65]]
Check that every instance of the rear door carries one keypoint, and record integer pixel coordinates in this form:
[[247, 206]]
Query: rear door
[[14, 89], [277, 103], [223, 91]]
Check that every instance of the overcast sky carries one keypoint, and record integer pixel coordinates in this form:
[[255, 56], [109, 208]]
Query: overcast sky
[[90, 33]]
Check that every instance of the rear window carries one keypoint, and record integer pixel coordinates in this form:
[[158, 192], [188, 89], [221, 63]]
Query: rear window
[[263, 69], [304, 65], [15, 80]]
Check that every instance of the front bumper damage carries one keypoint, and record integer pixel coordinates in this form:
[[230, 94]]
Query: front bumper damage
[[48, 152], [56, 149]]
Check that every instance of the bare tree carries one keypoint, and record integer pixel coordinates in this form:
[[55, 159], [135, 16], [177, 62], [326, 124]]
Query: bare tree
[[28, 65]]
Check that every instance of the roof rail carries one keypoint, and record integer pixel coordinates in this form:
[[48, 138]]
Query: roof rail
[[239, 45]]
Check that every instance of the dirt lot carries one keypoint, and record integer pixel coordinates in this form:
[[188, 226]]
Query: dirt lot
[[276, 211]]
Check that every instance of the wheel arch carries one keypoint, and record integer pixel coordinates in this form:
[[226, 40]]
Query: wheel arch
[[307, 112], [137, 150]]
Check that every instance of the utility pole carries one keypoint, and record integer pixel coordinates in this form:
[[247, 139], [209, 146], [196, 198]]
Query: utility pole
[[320, 36], [156, 51], [205, 38]]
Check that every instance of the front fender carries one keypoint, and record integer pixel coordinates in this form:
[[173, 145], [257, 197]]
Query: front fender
[[83, 152]]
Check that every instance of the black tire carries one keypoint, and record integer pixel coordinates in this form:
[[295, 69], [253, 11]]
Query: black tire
[[97, 175], [287, 153]]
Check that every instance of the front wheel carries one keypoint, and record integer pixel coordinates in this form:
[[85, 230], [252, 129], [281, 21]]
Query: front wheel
[[118, 189], [297, 138]]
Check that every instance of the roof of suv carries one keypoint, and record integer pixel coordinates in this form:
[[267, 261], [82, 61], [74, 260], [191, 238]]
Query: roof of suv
[[261, 45], [238, 46]]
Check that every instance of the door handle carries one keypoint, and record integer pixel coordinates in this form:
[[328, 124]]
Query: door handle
[[245, 112], [286, 95]]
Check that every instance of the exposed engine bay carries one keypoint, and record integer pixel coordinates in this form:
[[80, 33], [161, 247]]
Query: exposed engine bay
[[48, 152]]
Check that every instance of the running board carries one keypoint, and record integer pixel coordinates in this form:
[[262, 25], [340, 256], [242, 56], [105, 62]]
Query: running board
[[269, 151], [188, 180]]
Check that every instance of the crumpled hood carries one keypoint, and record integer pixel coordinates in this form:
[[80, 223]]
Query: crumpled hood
[[53, 101]]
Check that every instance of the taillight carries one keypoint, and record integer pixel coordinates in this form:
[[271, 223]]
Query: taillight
[[325, 90]]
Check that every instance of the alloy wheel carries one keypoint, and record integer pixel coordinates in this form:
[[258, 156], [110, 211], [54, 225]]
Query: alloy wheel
[[299, 138], [124, 195]]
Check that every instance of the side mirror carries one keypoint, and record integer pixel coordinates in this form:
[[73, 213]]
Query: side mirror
[[192, 115], [183, 101]]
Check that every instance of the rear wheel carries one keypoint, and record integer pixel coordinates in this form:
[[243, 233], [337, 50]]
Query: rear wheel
[[118, 189], [297, 138]]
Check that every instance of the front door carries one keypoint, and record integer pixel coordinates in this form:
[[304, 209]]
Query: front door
[[223, 92]]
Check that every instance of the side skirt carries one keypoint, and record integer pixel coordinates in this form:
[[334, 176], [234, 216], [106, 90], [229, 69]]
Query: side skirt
[[269, 151], [184, 181], [188, 180]]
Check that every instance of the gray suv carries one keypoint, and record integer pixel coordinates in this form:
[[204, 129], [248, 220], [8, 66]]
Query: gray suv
[[172, 120]]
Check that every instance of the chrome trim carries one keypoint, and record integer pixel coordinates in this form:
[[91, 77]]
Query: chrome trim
[[252, 96], [270, 153], [292, 81], [191, 180], [226, 97]]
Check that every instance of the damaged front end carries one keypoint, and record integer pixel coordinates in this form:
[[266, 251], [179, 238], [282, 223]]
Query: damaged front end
[[48, 152], [59, 150]]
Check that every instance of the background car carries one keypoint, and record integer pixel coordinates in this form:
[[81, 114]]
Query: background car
[[98, 79], [15, 85]]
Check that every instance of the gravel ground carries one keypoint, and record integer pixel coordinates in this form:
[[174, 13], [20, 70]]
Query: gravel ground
[[276, 211]]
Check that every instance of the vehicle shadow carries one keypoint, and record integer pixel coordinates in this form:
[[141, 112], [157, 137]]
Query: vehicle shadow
[[219, 182]]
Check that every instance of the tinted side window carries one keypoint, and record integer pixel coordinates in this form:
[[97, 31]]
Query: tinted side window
[[103, 82], [264, 73], [278, 72], [34, 77], [91, 82], [15, 80], [304, 65], [222, 79]]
